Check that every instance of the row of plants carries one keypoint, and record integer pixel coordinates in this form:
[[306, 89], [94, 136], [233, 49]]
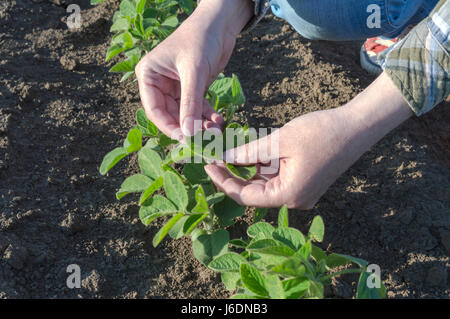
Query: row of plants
[[272, 262]]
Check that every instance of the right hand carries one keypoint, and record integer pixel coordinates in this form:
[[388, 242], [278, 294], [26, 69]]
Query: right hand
[[174, 77]]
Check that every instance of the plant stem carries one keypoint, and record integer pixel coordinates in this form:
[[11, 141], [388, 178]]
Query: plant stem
[[342, 272]]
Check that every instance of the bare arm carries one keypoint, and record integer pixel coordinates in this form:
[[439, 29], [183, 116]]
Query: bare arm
[[315, 149]]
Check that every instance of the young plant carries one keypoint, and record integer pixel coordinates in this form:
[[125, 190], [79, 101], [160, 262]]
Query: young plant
[[139, 26], [184, 193], [276, 262], [282, 263]]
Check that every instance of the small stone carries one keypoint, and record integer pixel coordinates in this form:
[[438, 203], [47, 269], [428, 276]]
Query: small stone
[[68, 63], [437, 276], [16, 256]]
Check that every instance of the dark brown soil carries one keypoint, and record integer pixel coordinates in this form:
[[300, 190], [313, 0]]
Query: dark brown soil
[[61, 111]]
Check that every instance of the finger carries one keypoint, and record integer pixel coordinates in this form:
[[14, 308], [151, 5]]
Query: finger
[[193, 84], [262, 150], [257, 193], [154, 103], [210, 114]]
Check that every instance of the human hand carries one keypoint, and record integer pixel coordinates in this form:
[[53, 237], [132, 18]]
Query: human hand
[[313, 150], [173, 77]]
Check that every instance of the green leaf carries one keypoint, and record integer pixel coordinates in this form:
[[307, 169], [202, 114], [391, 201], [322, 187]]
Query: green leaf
[[215, 198], [96, 1], [138, 23], [126, 76], [260, 228], [243, 172], [318, 254], [121, 24], [260, 213], [237, 92], [315, 290], [364, 292], [111, 159], [165, 141], [150, 163], [246, 296], [291, 267], [171, 22], [200, 198], [317, 229], [253, 280], [222, 88], [227, 262], [270, 247], [305, 250], [238, 243], [157, 184], [206, 247], [275, 287], [145, 125], [295, 288], [124, 66], [155, 207], [134, 184], [230, 280], [140, 6], [165, 229], [133, 142], [193, 221], [195, 174], [227, 210], [283, 217], [113, 51], [187, 6], [175, 190], [178, 154], [290, 237], [337, 260], [176, 232], [127, 8]]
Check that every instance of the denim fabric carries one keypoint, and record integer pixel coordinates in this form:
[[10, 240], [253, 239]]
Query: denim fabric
[[347, 19]]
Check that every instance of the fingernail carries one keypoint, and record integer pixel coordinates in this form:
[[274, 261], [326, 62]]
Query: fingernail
[[188, 126], [217, 118]]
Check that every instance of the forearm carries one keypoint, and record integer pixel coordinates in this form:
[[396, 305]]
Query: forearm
[[228, 16], [373, 114]]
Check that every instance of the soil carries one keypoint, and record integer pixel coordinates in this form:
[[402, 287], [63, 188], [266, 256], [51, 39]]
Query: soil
[[61, 112]]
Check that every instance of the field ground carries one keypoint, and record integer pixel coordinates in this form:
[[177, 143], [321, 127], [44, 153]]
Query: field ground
[[61, 111]]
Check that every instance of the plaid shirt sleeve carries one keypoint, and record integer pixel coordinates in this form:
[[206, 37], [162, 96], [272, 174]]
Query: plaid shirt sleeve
[[419, 64]]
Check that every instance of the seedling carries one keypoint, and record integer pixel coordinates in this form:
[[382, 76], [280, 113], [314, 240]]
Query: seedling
[[139, 26], [274, 262], [282, 263]]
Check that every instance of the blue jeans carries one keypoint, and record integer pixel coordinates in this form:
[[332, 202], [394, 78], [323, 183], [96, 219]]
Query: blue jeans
[[348, 19]]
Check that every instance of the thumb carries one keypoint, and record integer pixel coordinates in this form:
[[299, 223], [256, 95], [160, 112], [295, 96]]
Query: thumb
[[262, 150], [193, 84]]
